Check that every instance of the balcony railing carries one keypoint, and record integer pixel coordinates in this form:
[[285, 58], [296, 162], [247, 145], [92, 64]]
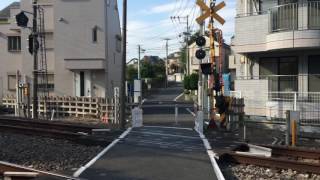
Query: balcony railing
[[288, 83], [295, 16]]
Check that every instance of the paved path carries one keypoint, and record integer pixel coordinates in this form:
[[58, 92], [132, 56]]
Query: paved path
[[166, 94], [155, 153]]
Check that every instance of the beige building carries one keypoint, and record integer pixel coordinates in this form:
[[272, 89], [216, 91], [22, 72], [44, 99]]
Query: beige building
[[83, 44], [194, 62], [277, 45]]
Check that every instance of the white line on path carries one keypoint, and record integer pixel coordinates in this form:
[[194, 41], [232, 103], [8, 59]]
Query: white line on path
[[192, 113], [212, 157], [167, 127], [90, 163], [169, 135], [175, 99]]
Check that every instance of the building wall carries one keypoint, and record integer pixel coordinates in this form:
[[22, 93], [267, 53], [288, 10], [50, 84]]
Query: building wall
[[10, 61], [69, 26], [73, 24], [253, 66], [113, 48]]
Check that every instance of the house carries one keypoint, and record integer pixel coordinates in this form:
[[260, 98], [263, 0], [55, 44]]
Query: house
[[277, 57], [194, 62], [83, 47], [277, 45], [175, 67]]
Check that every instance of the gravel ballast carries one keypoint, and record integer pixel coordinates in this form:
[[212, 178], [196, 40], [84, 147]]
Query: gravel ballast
[[45, 153], [251, 172]]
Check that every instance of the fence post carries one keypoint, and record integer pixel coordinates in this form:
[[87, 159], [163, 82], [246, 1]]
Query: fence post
[[295, 102], [288, 125], [176, 112]]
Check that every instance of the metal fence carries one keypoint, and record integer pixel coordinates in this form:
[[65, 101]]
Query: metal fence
[[287, 83], [274, 105], [293, 16]]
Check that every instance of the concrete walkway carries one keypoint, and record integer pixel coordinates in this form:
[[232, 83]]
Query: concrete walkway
[[155, 153]]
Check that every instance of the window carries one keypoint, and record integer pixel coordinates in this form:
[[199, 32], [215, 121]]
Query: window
[[313, 14], [12, 81], [314, 73], [14, 43], [281, 72], [46, 82], [118, 42], [281, 2], [95, 34]]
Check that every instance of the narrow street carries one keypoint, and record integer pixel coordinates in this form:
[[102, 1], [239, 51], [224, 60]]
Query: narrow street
[[159, 108], [164, 148]]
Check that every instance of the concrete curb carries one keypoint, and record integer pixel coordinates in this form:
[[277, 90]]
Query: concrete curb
[[212, 156], [90, 163]]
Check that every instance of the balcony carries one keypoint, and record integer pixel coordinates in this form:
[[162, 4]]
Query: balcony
[[295, 25]]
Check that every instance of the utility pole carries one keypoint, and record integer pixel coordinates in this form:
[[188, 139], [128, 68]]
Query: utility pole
[[167, 61], [123, 67], [140, 50], [187, 47], [139, 58], [35, 61], [187, 34]]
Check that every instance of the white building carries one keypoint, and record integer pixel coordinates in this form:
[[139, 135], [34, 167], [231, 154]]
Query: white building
[[277, 57], [277, 43], [83, 43], [194, 62]]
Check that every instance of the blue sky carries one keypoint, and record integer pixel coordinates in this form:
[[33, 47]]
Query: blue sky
[[149, 23]]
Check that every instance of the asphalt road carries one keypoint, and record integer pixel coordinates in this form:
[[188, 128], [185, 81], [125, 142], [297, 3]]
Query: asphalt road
[[173, 152], [160, 107], [154, 153]]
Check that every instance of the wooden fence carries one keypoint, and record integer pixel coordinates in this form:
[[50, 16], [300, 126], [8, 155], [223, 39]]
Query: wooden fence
[[72, 107]]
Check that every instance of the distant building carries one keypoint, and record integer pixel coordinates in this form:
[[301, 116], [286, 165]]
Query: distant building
[[175, 67], [83, 44], [194, 62], [152, 59]]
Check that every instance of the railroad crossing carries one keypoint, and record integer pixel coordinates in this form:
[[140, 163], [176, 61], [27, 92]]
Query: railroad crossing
[[153, 153]]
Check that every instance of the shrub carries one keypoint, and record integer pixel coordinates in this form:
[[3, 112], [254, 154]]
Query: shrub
[[193, 81]]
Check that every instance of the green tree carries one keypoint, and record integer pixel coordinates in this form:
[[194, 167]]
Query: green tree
[[186, 83], [193, 82], [147, 70], [132, 73]]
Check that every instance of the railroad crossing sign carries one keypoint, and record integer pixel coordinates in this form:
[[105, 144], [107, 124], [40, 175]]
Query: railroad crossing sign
[[210, 12]]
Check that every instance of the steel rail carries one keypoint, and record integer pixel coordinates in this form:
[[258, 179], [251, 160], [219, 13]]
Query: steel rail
[[9, 167], [46, 125], [294, 152], [74, 137], [271, 162]]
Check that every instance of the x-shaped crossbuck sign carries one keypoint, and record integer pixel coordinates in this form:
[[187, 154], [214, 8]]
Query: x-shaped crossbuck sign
[[208, 12]]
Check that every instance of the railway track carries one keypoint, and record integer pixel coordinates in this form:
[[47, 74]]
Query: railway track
[[46, 125], [16, 172], [301, 160], [81, 134]]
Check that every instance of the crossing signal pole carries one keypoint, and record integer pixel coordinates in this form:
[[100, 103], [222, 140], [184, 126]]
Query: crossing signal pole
[[209, 68], [35, 60]]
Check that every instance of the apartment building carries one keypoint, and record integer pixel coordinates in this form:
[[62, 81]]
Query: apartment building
[[83, 45], [277, 46], [277, 57]]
